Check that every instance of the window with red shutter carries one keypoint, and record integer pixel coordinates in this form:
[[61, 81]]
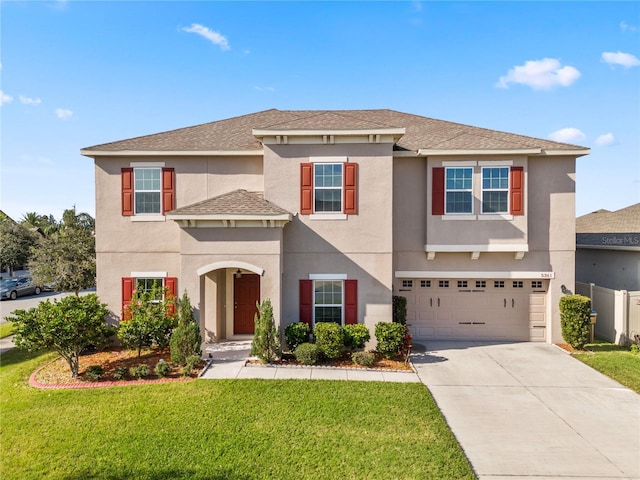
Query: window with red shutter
[[516, 191], [171, 284], [168, 190], [437, 191], [350, 302], [128, 287], [306, 188], [306, 302], [329, 188], [350, 187], [127, 191]]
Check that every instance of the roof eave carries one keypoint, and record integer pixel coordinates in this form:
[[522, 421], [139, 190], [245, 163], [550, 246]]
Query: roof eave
[[235, 217], [170, 153]]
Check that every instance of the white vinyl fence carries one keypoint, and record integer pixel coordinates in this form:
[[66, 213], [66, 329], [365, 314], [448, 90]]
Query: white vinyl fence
[[618, 312]]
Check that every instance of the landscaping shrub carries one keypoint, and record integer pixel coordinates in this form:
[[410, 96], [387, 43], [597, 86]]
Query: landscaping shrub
[[390, 337], [366, 359], [121, 373], [574, 320], [193, 363], [94, 372], [162, 368], [185, 339], [307, 353], [266, 340], [296, 334], [139, 371], [356, 336], [329, 339], [399, 309]]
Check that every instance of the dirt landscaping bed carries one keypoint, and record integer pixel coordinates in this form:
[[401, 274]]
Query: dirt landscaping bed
[[344, 361]]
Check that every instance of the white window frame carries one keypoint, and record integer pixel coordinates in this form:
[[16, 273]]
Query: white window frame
[[341, 188], [333, 279], [482, 189], [456, 190], [136, 191], [147, 278]]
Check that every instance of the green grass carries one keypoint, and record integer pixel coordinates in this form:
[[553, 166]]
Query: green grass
[[6, 329], [615, 361], [228, 429]]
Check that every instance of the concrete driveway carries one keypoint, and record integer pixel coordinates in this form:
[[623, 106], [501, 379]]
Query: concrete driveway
[[529, 410]]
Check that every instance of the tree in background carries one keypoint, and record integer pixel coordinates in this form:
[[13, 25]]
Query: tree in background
[[16, 242], [67, 258], [68, 326], [46, 225]]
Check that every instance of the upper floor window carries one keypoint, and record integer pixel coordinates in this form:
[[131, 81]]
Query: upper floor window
[[147, 190], [495, 190], [328, 188], [459, 190]]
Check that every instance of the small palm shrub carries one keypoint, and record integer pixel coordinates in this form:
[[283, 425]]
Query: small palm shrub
[[307, 353], [356, 336], [366, 359], [94, 372], [329, 339], [390, 337], [162, 368], [140, 371], [296, 334], [575, 311]]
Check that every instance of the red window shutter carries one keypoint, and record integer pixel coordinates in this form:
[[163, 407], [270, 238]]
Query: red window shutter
[[171, 284], [128, 287], [350, 181], [437, 191], [306, 302], [516, 191], [306, 188], [350, 301], [168, 190], [127, 191]]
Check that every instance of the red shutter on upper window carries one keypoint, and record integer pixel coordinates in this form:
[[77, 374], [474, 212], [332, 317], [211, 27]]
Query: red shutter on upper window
[[516, 191], [437, 191], [171, 284], [306, 302], [168, 190], [306, 188], [350, 301], [127, 191], [128, 287], [350, 181]]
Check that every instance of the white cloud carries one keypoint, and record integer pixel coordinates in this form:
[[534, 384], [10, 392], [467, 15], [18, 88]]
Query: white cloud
[[618, 58], [63, 113], [265, 89], [542, 74], [4, 98], [30, 101], [606, 139], [211, 35], [567, 135], [625, 27]]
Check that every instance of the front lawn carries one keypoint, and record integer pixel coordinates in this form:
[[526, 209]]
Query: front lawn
[[614, 361], [6, 329], [229, 429]]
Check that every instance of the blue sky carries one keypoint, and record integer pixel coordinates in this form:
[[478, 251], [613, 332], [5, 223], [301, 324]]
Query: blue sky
[[76, 74]]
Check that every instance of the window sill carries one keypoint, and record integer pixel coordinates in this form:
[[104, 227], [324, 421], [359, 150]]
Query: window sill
[[328, 216], [148, 218]]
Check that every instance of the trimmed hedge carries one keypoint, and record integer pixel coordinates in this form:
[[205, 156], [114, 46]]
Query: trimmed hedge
[[575, 311], [355, 336], [390, 338], [296, 334], [329, 339], [307, 353]]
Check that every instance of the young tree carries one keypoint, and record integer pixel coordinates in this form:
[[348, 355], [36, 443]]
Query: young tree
[[266, 340], [148, 320], [69, 326], [67, 257], [185, 339]]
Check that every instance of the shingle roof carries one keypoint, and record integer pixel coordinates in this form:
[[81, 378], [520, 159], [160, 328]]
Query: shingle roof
[[626, 220], [235, 134], [238, 202]]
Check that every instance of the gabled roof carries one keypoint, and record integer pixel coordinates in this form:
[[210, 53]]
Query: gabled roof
[[626, 220], [236, 134], [233, 205]]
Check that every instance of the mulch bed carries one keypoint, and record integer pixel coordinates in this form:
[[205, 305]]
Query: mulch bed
[[568, 348], [344, 361], [56, 374]]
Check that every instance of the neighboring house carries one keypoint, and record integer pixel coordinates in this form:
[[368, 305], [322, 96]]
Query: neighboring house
[[331, 213], [608, 248]]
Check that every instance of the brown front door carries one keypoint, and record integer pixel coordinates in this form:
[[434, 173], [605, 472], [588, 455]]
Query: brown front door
[[246, 294]]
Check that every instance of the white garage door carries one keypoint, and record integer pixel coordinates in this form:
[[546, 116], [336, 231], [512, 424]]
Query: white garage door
[[469, 309]]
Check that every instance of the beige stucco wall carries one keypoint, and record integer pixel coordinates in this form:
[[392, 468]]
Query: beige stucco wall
[[360, 246]]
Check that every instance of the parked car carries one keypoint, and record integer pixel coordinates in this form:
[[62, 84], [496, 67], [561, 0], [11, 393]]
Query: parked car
[[17, 287]]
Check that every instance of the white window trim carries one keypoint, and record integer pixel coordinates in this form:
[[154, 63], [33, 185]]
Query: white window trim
[[446, 190], [482, 190], [154, 215], [149, 274], [329, 278], [149, 217], [147, 164], [329, 188], [328, 159], [328, 216]]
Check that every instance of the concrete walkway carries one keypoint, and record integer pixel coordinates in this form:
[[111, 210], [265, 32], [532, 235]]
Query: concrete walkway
[[229, 358], [529, 410], [6, 343]]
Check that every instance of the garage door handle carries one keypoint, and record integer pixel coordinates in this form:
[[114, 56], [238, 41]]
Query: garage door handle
[[505, 303], [438, 301], [513, 303], [431, 302]]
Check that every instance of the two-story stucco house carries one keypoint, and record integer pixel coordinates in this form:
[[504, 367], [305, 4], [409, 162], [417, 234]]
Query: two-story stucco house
[[331, 213]]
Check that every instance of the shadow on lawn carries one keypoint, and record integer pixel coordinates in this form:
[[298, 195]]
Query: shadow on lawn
[[17, 355], [160, 475]]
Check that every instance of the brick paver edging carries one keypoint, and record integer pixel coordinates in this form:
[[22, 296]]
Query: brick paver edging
[[53, 386]]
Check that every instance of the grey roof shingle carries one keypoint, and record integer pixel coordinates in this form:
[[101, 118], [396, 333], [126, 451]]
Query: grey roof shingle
[[626, 220], [238, 202], [235, 134]]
